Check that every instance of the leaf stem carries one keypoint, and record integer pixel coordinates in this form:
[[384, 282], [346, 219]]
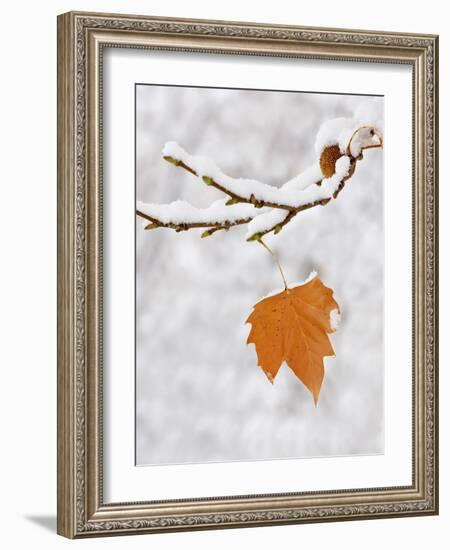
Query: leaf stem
[[275, 260]]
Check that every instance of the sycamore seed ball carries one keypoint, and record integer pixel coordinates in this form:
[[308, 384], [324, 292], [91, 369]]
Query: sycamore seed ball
[[328, 160]]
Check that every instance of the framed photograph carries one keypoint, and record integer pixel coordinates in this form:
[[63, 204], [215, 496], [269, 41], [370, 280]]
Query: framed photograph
[[247, 276]]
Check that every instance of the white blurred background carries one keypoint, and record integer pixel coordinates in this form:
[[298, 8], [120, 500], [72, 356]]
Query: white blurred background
[[200, 395]]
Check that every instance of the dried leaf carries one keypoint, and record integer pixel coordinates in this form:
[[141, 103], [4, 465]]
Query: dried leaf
[[293, 326]]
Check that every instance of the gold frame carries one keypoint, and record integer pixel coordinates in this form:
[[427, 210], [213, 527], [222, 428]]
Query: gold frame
[[81, 37]]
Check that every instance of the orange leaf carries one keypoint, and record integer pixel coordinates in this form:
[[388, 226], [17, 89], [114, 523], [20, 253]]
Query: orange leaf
[[293, 326]]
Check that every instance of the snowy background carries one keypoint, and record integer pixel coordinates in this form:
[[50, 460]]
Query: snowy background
[[200, 395]]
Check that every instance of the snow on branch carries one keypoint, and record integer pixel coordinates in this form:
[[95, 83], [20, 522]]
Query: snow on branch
[[239, 189], [181, 215], [314, 195], [339, 146]]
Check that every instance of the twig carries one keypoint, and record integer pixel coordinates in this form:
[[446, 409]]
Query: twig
[[371, 146], [211, 226]]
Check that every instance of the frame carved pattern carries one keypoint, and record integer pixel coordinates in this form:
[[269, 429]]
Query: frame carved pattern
[[74, 519]]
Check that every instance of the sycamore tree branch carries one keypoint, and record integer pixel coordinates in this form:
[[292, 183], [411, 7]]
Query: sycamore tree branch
[[235, 198], [211, 227], [276, 228], [244, 207]]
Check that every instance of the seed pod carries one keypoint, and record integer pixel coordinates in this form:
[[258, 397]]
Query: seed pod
[[328, 160]]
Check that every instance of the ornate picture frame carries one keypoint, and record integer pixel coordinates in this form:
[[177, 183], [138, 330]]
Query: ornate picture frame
[[82, 39]]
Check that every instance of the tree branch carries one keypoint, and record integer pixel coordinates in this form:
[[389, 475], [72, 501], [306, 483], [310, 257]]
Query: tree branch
[[294, 211], [198, 218], [213, 227], [235, 198], [291, 201]]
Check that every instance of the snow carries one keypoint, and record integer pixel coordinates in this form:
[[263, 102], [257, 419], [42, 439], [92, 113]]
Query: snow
[[242, 187], [364, 136], [297, 192], [268, 220], [310, 176], [265, 221], [368, 115], [335, 319], [333, 132], [179, 212], [341, 170], [206, 167]]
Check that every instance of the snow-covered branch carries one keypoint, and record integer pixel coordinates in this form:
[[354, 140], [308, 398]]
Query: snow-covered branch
[[339, 145], [181, 216], [240, 190]]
